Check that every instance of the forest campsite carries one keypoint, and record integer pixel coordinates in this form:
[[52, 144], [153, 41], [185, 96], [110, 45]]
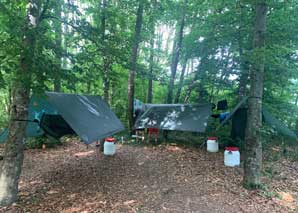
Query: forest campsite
[[148, 106]]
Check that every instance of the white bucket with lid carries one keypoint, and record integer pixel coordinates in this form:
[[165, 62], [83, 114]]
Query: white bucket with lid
[[232, 156], [109, 147], [212, 144]]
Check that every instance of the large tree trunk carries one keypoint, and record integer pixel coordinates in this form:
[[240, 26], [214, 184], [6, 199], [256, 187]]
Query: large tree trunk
[[133, 63], [253, 145], [175, 57], [13, 152], [58, 41], [181, 82]]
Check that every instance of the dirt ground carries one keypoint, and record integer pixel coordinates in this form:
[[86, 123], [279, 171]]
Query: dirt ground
[[167, 178]]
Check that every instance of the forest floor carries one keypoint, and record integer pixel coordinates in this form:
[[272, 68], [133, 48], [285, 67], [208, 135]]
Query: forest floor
[[165, 178]]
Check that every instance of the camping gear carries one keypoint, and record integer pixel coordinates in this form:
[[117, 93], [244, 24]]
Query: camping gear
[[58, 114], [239, 118], [232, 156], [38, 106], [212, 144], [180, 117], [153, 132], [240, 104], [222, 105], [140, 133], [55, 126], [109, 146], [222, 116], [239, 124]]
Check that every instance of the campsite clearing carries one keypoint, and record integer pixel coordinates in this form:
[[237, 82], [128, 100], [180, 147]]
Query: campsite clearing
[[167, 178]]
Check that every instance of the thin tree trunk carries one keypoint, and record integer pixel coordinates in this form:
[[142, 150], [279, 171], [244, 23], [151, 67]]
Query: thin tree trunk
[[253, 145], [175, 57], [192, 85], [106, 61], [181, 82], [88, 87], [244, 66], [133, 63], [58, 41], [151, 64], [14, 146], [168, 41]]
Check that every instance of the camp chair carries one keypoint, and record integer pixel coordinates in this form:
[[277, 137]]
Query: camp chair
[[154, 132], [140, 133]]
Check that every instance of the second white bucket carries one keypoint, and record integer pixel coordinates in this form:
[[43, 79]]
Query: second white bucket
[[212, 144]]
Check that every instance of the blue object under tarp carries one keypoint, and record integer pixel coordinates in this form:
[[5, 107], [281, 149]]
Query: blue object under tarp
[[222, 116], [37, 107]]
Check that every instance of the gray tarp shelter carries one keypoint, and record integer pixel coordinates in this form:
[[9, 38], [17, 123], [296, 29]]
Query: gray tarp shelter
[[180, 117], [89, 116], [59, 114]]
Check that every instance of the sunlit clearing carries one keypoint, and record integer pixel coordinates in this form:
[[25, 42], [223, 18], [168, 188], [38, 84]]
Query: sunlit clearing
[[84, 154]]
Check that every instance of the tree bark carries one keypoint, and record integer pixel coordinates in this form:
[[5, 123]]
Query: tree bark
[[58, 41], [133, 63], [106, 60], [192, 85], [175, 57], [244, 65], [253, 145], [14, 146], [151, 64], [181, 82]]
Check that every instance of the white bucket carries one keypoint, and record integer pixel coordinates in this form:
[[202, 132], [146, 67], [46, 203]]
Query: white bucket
[[109, 147], [232, 156], [212, 144]]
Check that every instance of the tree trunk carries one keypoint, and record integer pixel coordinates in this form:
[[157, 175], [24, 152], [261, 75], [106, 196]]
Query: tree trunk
[[151, 64], [14, 146], [106, 61], [253, 145], [175, 57], [192, 85], [133, 63], [244, 65], [177, 99], [58, 41], [106, 80]]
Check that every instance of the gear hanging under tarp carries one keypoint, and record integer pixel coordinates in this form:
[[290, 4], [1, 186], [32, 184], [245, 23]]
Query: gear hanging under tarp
[[55, 126]]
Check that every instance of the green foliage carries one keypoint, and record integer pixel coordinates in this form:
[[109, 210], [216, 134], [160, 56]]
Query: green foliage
[[217, 44]]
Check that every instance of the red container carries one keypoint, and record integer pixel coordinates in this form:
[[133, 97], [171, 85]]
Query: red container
[[110, 140], [232, 148]]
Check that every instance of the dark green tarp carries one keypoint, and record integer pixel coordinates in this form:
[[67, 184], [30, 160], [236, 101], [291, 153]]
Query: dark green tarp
[[181, 117], [239, 116], [58, 114], [89, 116], [279, 126]]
